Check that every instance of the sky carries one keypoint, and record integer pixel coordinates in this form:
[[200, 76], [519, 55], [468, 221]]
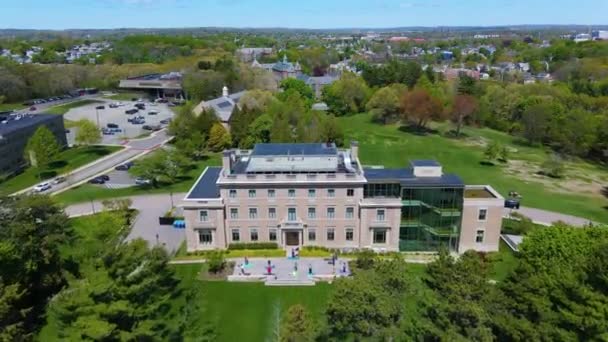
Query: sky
[[66, 14]]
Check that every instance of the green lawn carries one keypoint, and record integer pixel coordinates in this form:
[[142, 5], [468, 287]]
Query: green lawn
[[87, 192], [503, 262], [62, 109], [67, 161], [245, 311], [389, 146], [10, 106]]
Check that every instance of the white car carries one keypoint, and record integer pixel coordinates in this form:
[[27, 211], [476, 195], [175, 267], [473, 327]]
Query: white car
[[142, 181], [153, 112], [42, 187]]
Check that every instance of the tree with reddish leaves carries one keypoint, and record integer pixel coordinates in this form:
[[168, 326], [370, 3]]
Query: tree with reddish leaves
[[464, 105], [419, 107]]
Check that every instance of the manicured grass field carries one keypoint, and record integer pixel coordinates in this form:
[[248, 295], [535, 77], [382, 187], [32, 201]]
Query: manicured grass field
[[67, 161], [87, 192], [10, 106], [246, 311], [62, 109], [391, 147]]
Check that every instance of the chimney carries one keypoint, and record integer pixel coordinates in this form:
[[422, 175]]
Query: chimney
[[354, 150], [225, 91], [226, 162]]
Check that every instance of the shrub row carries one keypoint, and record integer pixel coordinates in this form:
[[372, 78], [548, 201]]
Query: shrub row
[[253, 245]]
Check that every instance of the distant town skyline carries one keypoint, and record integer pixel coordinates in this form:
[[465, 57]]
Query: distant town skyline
[[314, 14]]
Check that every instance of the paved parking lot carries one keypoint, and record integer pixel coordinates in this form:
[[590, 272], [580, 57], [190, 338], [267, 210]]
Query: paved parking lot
[[118, 116]]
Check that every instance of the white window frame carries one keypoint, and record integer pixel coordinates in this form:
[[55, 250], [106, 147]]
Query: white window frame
[[333, 212], [312, 231], [333, 234], [274, 213], [331, 193], [232, 193], [350, 190], [210, 232], [312, 213], [234, 213], [312, 193], [257, 234], [291, 193], [271, 193], [270, 232], [253, 213], [295, 214], [200, 216], [483, 235], [380, 218], [374, 236], [349, 214], [352, 234], [252, 193], [485, 217], [238, 233]]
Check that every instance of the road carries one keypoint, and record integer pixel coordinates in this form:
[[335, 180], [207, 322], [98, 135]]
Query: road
[[545, 217], [132, 150], [146, 226]]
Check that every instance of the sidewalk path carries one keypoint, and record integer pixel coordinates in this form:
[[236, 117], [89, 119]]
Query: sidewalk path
[[545, 217]]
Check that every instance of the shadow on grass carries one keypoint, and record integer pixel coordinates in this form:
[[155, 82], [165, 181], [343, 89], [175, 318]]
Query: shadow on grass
[[417, 130], [486, 163], [453, 135], [48, 174], [99, 151], [57, 164]]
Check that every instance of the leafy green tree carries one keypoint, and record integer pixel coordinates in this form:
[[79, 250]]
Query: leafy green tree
[[553, 167], [128, 297], [368, 305], [219, 138], [281, 131], [466, 85], [384, 105], [348, 95], [492, 151], [256, 101], [296, 85], [87, 133], [32, 228], [298, 325], [162, 166], [331, 131], [42, 148], [535, 120], [258, 131]]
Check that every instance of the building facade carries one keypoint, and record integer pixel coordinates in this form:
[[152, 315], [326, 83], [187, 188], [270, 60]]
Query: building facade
[[318, 195], [17, 129]]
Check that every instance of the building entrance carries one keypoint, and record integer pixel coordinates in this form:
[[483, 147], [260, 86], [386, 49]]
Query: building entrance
[[292, 238]]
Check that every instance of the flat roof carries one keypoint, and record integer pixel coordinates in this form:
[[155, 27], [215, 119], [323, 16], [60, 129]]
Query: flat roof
[[405, 177], [478, 193], [308, 149], [206, 186], [17, 122]]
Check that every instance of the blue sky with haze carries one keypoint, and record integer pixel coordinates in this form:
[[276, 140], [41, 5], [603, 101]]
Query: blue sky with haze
[[61, 14]]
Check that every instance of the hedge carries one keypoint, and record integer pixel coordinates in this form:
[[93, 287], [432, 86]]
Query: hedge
[[253, 245]]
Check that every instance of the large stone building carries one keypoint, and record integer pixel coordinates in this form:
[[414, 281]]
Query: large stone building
[[281, 70], [17, 129], [318, 195]]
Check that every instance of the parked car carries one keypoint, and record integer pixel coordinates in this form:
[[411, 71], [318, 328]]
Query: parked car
[[124, 167], [105, 177], [97, 180], [113, 105], [512, 203], [165, 121], [100, 107], [42, 187], [140, 106], [153, 112], [142, 181], [107, 131], [33, 108], [58, 180], [112, 125], [161, 100], [131, 111]]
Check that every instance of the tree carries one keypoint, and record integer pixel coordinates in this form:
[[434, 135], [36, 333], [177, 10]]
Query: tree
[[553, 167], [258, 131], [466, 85], [127, 297], [87, 133], [492, 151], [384, 105], [347, 95], [535, 119], [298, 326], [32, 229], [296, 85], [419, 107], [256, 101], [463, 107], [369, 304], [219, 138], [331, 130], [162, 165], [281, 130], [42, 148]]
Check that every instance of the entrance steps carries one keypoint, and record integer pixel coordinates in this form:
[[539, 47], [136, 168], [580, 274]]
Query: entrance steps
[[289, 282]]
